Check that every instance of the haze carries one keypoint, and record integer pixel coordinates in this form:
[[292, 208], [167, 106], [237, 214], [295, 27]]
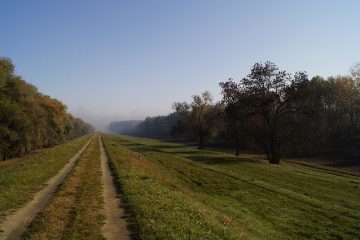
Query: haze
[[120, 60]]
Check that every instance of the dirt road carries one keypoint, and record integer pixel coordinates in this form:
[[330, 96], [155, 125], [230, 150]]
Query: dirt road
[[15, 224], [115, 226]]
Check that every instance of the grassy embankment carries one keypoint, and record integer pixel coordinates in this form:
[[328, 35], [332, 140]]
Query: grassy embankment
[[181, 192], [21, 178], [75, 212]]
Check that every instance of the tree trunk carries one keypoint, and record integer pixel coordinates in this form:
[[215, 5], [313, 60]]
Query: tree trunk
[[266, 151], [201, 142], [237, 149], [274, 158], [274, 155]]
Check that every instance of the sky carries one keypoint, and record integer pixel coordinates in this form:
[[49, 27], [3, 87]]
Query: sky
[[114, 60]]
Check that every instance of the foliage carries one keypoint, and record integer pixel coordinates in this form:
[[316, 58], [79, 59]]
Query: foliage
[[159, 126], [30, 120], [269, 110], [337, 107], [269, 106], [355, 72], [200, 119], [156, 127], [124, 127]]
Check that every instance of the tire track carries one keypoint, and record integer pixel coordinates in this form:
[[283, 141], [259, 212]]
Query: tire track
[[15, 224], [116, 226]]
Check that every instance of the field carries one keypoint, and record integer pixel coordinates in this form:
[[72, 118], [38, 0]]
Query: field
[[173, 191]]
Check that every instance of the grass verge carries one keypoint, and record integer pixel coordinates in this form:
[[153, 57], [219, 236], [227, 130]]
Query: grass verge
[[158, 209], [232, 197]]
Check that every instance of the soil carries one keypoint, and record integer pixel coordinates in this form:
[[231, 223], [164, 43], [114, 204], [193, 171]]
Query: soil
[[116, 226]]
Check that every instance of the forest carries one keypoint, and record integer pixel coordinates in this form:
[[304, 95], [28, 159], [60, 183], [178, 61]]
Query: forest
[[30, 120], [156, 127], [270, 111]]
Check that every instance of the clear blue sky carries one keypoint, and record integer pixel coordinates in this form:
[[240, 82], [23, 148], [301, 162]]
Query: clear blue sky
[[115, 60]]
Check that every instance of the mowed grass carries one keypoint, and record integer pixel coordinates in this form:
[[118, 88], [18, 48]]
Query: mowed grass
[[75, 212], [158, 208], [231, 197], [21, 178]]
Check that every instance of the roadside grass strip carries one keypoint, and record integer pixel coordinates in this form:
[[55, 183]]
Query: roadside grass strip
[[75, 211], [157, 208], [21, 178], [253, 199]]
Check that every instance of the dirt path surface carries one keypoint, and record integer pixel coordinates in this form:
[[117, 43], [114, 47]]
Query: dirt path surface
[[115, 226], [15, 224]]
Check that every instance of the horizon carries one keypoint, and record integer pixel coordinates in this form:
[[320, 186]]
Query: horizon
[[129, 60]]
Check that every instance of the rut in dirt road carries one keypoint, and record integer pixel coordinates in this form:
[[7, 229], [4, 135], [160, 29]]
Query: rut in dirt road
[[15, 224], [115, 227]]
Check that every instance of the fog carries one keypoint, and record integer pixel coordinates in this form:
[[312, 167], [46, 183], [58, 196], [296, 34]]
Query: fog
[[101, 120]]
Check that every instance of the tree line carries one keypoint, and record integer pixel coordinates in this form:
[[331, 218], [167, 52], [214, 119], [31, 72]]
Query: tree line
[[127, 127], [30, 120], [270, 110], [155, 127]]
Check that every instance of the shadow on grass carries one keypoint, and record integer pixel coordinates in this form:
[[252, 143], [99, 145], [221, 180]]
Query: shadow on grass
[[191, 154], [221, 160], [165, 146], [349, 162], [129, 144], [182, 153]]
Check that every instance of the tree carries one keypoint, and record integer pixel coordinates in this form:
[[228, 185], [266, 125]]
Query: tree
[[30, 120], [200, 118], [355, 72], [159, 126], [269, 104], [235, 113], [336, 104]]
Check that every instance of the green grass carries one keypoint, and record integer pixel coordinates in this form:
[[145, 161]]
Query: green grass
[[231, 197], [75, 212], [21, 178]]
